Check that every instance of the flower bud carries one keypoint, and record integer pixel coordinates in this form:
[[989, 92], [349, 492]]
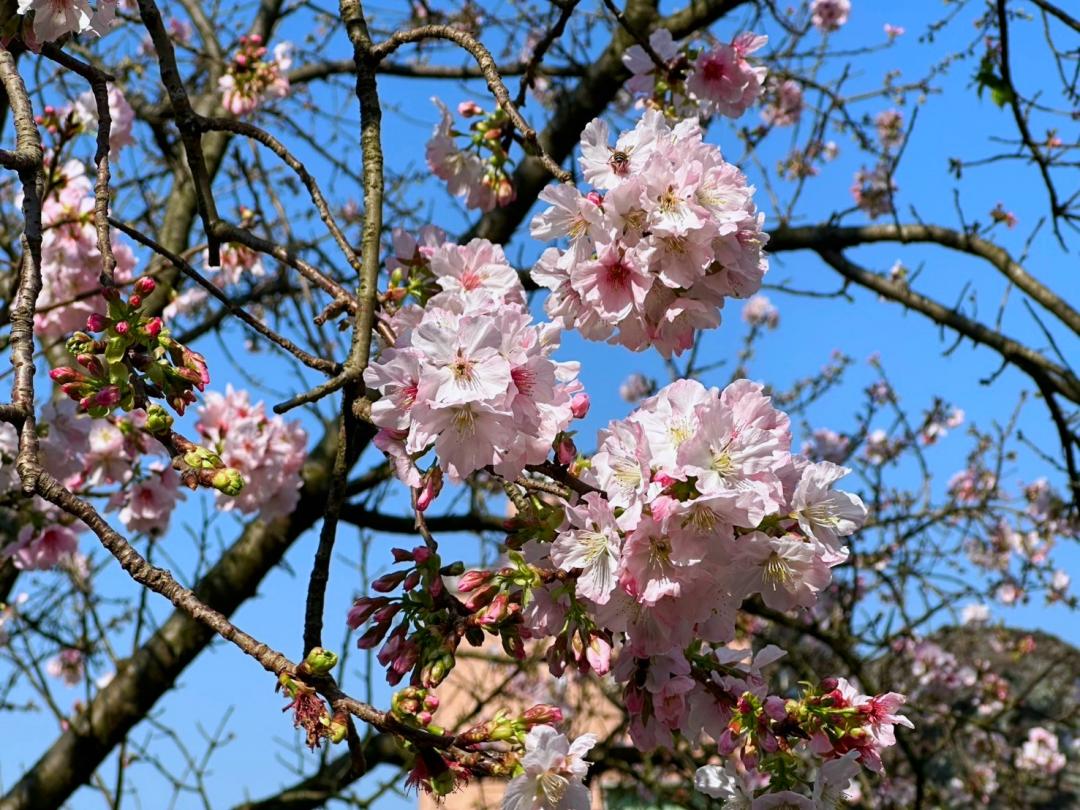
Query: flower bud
[[96, 322], [471, 580], [145, 285], [431, 702], [412, 579], [430, 487], [481, 597], [373, 636], [420, 554], [228, 481], [401, 555], [469, 109], [454, 569], [91, 364], [122, 327], [153, 327], [595, 197], [65, 374], [320, 661], [158, 419], [579, 405], [598, 654], [363, 608], [388, 582], [542, 715], [108, 397], [565, 449], [135, 301], [498, 610], [76, 390], [386, 612]]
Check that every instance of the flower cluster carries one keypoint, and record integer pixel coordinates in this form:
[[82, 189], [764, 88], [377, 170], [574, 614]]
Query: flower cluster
[[251, 80], [121, 116], [670, 232], [237, 263], [700, 505], [697, 504], [56, 18], [135, 359], [268, 452], [469, 373], [479, 173], [1040, 753], [785, 105], [890, 128], [873, 190], [760, 311], [70, 260], [693, 81]]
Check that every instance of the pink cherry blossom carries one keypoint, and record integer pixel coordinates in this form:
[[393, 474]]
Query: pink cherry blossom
[[41, 549], [829, 15], [555, 769], [268, 451], [68, 666], [723, 80]]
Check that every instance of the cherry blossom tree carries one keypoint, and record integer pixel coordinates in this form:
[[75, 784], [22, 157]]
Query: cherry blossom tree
[[252, 322]]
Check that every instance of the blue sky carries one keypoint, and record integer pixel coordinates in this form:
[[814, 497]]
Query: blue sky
[[952, 123]]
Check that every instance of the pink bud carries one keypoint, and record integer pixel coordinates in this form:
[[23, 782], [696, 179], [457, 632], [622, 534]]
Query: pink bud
[[598, 654], [153, 327], [122, 327], [481, 597], [401, 555], [108, 397], [565, 450], [387, 582], [595, 197], [542, 715], [421, 554], [386, 613], [390, 649], [412, 580], [430, 488], [471, 580], [373, 636], [145, 285], [498, 610], [135, 301], [363, 608], [468, 109], [96, 322], [255, 39], [424, 718], [64, 374], [431, 702], [579, 405]]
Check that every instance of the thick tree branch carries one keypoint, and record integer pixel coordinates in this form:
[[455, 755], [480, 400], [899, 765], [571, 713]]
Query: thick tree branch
[[813, 237]]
